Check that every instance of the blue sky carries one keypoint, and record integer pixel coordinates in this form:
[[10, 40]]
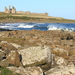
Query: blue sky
[[56, 8]]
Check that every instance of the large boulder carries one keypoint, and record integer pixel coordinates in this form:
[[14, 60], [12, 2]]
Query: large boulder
[[27, 71], [36, 56], [64, 70], [13, 58]]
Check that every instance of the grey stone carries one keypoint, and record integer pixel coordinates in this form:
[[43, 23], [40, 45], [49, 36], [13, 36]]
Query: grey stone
[[36, 56]]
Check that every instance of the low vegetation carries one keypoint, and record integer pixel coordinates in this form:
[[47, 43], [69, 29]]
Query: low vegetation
[[5, 71], [8, 17]]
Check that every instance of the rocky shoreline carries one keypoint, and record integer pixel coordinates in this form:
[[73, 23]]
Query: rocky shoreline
[[36, 52], [1, 29]]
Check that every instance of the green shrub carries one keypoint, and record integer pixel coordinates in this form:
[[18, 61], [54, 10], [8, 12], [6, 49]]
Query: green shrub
[[5, 71]]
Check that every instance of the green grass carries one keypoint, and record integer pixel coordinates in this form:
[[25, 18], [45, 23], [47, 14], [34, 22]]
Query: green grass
[[5, 71], [8, 17]]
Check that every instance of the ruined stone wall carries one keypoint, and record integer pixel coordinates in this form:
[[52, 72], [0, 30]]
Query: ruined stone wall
[[42, 14], [13, 10], [28, 12], [19, 12]]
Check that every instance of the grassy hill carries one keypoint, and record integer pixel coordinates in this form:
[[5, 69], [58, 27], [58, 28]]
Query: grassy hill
[[6, 17]]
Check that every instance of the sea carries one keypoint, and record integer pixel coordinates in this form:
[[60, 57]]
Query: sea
[[39, 26]]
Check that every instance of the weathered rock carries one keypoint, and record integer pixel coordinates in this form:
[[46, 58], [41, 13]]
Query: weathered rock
[[72, 52], [13, 58], [67, 42], [72, 59], [27, 71], [36, 56], [16, 45], [4, 63], [1, 29], [7, 47], [2, 55], [60, 61], [71, 64], [64, 70], [66, 36], [60, 52]]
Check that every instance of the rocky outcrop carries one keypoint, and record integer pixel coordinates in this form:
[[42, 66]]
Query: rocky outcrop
[[27, 71], [1, 29]]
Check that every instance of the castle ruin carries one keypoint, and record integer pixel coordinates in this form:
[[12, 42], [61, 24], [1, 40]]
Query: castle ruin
[[9, 10], [13, 10]]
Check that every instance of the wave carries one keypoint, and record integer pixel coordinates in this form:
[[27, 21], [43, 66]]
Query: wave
[[50, 27], [63, 28], [5, 26], [26, 26], [39, 26]]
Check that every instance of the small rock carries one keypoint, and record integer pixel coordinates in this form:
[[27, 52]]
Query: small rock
[[60, 61]]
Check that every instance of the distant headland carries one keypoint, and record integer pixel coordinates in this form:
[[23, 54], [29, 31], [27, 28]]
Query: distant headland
[[10, 14], [13, 10]]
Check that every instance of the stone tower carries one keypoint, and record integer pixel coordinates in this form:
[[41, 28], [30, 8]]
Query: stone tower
[[13, 9], [10, 10], [46, 14], [5, 10]]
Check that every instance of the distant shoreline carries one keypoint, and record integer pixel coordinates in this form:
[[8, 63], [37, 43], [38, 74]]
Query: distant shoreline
[[36, 21]]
